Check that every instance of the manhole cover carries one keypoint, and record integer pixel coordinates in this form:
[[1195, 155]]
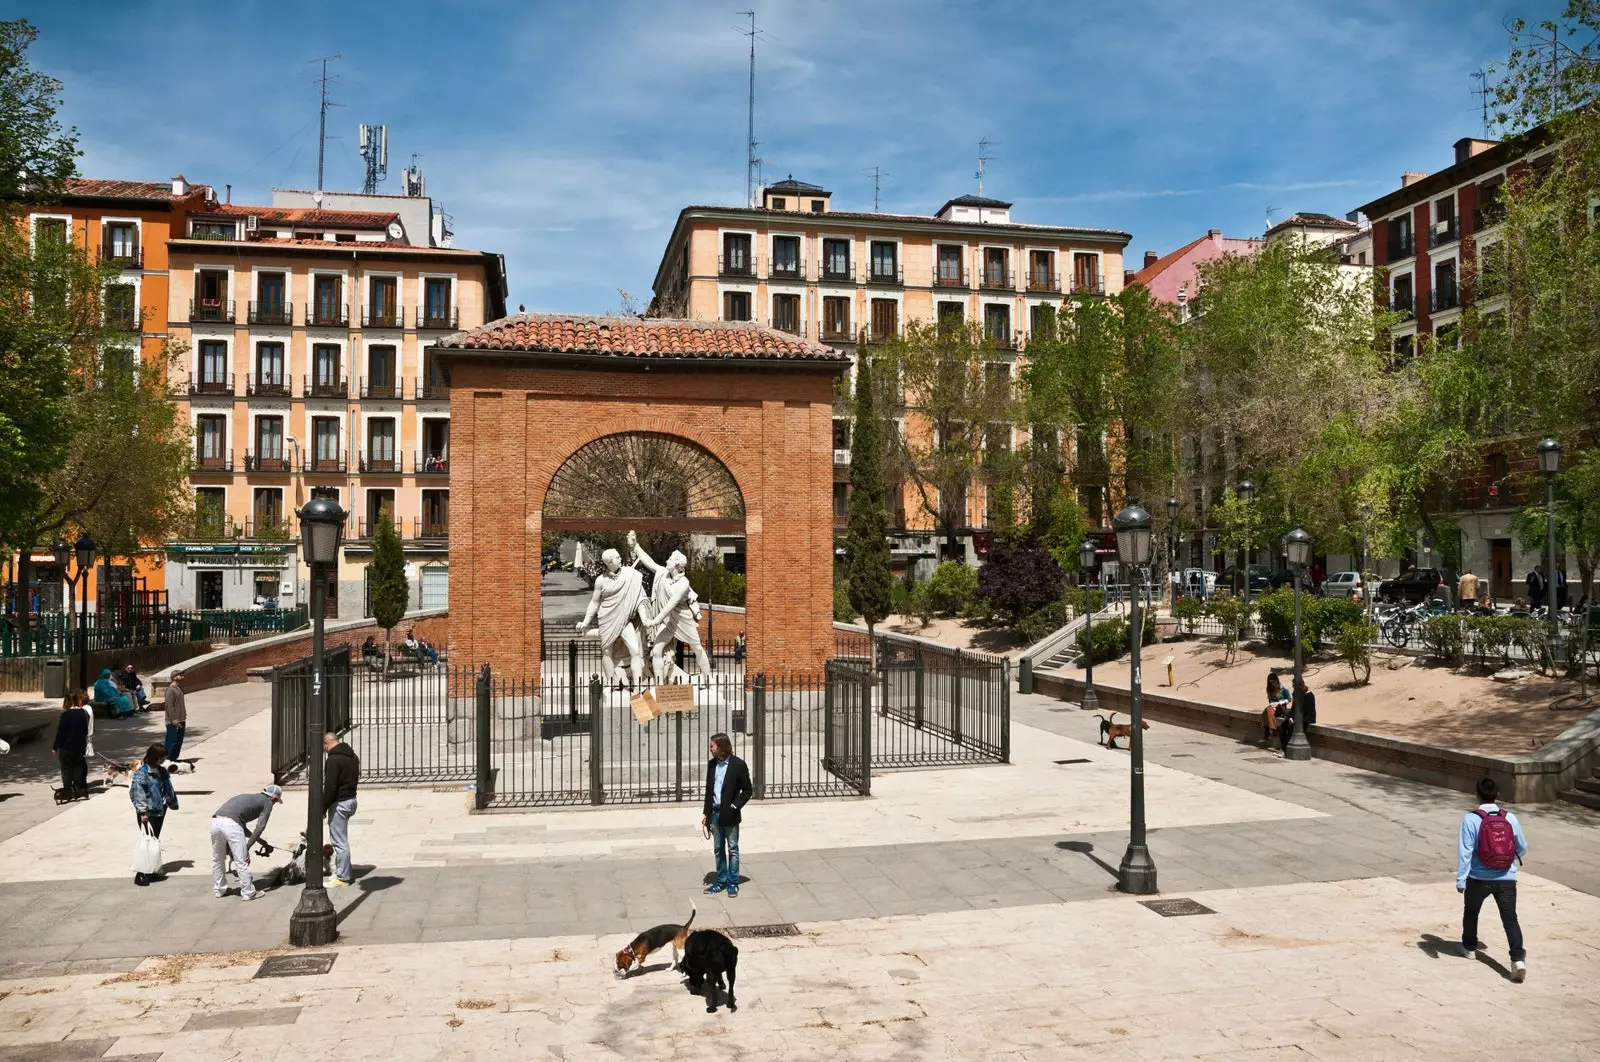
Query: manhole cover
[[1085, 760], [777, 929], [1173, 908], [297, 965]]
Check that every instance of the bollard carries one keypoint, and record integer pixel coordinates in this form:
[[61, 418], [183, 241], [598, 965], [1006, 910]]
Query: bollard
[[677, 740], [1025, 675]]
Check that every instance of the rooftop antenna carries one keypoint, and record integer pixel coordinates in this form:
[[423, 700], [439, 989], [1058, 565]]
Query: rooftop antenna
[[983, 160], [375, 150], [1271, 210], [752, 164], [1482, 92], [877, 176], [412, 182], [322, 132]]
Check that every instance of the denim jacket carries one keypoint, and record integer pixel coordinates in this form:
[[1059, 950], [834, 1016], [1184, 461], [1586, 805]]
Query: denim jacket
[[151, 791]]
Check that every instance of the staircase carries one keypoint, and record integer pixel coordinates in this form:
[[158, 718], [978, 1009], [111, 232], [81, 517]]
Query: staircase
[[1586, 791]]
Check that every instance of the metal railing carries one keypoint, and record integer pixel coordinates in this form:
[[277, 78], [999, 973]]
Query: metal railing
[[278, 386], [1401, 247], [323, 387], [337, 464], [258, 462], [213, 462], [1451, 232], [1404, 305], [384, 388], [271, 313], [207, 384], [430, 464], [845, 273], [394, 317], [291, 701], [943, 277], [790, 271], [1444, 298], [423, 528], [432, 389], [794, 328], [736, 266], [58, 634], [268, 529], [1487, 214], [127, 257], [877, 275], [1088, 284], [997, 279], [325, 316], [1044, 282], [369, 465], [842, 334], [446, 319], [211, 311]]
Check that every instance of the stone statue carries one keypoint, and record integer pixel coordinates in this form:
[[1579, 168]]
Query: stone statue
[[618, 594], [674, 613]]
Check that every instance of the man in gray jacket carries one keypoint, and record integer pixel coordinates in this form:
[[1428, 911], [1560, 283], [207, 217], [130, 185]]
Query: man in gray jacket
[[177, 716], [227, 835]]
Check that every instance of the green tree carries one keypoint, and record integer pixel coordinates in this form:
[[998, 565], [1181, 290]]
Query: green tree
[[1577, 513], [866, 545], [386, 580]]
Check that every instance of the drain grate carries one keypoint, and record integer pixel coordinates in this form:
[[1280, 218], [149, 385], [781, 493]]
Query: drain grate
[[1176, 907], [1080, 760], [776, 929], [297, 965]]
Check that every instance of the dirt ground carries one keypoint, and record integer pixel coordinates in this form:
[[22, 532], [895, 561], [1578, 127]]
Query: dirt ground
[[1462, 708], [958, 634]]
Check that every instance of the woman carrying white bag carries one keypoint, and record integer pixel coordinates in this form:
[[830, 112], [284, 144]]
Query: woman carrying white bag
[[152, 794]]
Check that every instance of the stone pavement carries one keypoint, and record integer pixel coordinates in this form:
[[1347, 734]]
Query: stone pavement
[[991, 885]]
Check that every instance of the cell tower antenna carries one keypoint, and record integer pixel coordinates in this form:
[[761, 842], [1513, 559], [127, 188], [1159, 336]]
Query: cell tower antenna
[[877, 176], [322, 131], [983, 160], [375, 152], [751, 162], [1482, 92]]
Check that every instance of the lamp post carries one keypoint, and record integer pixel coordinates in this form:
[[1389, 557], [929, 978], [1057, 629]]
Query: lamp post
[[1366, 592], [1550, 463], [1137, 874], [1298, 545], [1247, 494], [1086, 565], [321, 531], [1172, 546], [84, 551]]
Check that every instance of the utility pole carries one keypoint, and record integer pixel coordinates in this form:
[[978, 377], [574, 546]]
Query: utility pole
[[983, 160], [750, 131], [877, 176], [322, 132]]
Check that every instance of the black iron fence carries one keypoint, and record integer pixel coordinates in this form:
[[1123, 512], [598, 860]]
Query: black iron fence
[[291, 701]]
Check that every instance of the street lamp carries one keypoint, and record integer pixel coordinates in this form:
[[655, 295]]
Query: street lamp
[[1298, 545], [84, 551], [1086, 565], [1137, 874], [1172, 546], [1550, 463], [1247, 494], [321, 532], [1366, 592]]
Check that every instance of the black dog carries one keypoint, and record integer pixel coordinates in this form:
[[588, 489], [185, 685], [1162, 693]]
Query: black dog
[[709, 954]]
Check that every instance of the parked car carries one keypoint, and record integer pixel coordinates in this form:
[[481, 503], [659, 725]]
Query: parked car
[[1232, 579], [1343, 584], [1194, 582], [1415, 586]]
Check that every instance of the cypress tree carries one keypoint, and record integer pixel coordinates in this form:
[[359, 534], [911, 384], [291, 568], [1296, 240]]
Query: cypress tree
[[386, 580], [866, 547]]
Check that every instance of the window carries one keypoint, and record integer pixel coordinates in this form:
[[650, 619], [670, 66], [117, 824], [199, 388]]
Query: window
[[736, 306], [1086, 274], [212, 429], [835, 317], [1403, 300], [438, 310], [736, 253], [328, 301], [121, 241], [996, 267], [997, 377], [327, 377], [435, 445], [118, 361], [267, 511], [1361, 259], [51, 231], [950, 316], [213, 364], [325, 444], [266, 589], [269, 438], [779, 203], [949, 273], [210, 508], [817, 206], [885, 260], [211, 296], [841, 502], [380, 444], [1444, 221], [326, 493], [1445, 295], [435, 513], [1042, 321], [786, 312], [1400, 243], [836, 260], [122, 310], [269, 366], [885, 319], [379, 504], [272, 304], [383, 301], [1404, 348], [211, 230], [1042, 270], [997, 324], [1490, 208], [841, 433], [786, 256], [380, 372]]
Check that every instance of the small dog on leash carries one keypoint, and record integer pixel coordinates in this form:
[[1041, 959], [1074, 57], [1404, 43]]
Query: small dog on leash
[[654, 939], [1110, 730], [706, 957]]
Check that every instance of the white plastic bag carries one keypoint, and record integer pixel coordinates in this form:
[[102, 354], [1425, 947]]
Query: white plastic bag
[[147, 854]]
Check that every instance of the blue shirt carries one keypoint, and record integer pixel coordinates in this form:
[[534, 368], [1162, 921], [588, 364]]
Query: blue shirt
[[716, 782], [1467, 865]]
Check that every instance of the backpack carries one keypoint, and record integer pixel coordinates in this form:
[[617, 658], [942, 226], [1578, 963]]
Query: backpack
[[1497, 841]]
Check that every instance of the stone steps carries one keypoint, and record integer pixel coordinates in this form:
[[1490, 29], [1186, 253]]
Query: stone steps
[[1585, 793]]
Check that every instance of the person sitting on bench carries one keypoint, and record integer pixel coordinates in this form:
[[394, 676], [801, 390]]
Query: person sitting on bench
[[422, 649]]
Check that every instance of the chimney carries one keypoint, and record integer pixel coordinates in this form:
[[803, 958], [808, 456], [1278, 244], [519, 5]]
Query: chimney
[[1127, 277], [1469, 146], [1150, 259], [1213, 232], [1410, 177], [179, 185]]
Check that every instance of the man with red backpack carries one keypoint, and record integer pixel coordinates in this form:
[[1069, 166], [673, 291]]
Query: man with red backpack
[[1486, 865]]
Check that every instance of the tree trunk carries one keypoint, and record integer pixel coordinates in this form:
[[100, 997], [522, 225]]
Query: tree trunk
[[24, 574]]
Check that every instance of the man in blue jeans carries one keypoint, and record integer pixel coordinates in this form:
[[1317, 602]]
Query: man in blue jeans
[[727, 790], [1486, 865], [341, 773]]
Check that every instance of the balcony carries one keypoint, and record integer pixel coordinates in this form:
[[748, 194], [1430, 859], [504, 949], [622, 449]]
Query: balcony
[[841, 457], [786, 271], [735, 266], [267, 387], [1401, 247], [371, 388], [211, 311], [211, 384], [1446, 231], [950, 276], [271, 313], [1088, 284], [886, 275], [998, 280], [324, 387], [433, 390], [439, 319], [210, 527], [327, 316], [388, 465], [1044, 282], [837, 334], [1488, 214], [125, 256], [123, 319], [219, 461], [431, 464], [386, 317], [794, 328], [425, 528], [267, 528], [255, 461], [1444, 299], [1404, 305], [1503, 494], [327, 463], [1006, 340], [839, 272]]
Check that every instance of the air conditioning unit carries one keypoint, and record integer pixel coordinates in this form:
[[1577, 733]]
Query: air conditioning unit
[[251, 222]]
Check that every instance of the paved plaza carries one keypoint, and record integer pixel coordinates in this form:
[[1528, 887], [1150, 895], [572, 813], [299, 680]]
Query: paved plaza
[[965, 913]]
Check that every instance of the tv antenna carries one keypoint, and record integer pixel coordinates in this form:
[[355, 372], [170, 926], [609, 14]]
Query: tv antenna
[[877, 176], [1271, 210], [374, 141], [322, 131], [752, 164], [983, 160], [1482, 92]]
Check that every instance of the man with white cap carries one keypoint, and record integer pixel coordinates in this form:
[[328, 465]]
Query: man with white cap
[[228, 827]]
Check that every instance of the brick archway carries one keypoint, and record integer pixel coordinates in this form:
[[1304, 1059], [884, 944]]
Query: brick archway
[[528, 391]]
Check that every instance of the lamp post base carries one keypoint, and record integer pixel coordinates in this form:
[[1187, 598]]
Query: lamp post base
[[1298, 748], [1137, 874], [1090, 703], [314, 922]]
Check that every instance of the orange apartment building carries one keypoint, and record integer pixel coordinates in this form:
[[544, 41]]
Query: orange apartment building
[[307, 327], [851, 278]]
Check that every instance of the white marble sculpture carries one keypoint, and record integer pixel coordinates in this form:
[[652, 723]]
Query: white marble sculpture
[[618, 595], [673, 615]]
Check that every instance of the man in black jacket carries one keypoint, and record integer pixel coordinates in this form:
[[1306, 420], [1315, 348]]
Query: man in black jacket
[[341, 771], [727, 790]]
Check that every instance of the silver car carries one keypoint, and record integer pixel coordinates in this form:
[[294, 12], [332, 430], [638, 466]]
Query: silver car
[[1342, 584]]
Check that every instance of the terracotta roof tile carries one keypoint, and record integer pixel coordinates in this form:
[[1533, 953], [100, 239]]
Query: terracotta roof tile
[[96, 188], [634, 337], [344, 219]]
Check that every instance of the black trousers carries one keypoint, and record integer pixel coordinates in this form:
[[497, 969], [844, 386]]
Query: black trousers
[[155, 822], [74, 770], [1505, 898]]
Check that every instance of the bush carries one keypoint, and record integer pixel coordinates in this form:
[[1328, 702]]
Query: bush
[[1019, 579], [1075, 598], [730, 585], [900, 598], [1321, 618], [921, 604], [1233, 614], [950, 589], [1037, 625], [1188, 610], [1334, 614], [1529, 635], [1353, 640], [1445, 638], [1491, 638], [1110, 638], [842, 612]]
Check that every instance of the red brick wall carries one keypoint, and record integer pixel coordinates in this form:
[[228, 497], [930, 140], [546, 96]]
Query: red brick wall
[[202, 674], [513, 423]]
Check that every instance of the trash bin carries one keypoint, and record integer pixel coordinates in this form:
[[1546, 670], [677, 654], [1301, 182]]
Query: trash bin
[[55, 679]]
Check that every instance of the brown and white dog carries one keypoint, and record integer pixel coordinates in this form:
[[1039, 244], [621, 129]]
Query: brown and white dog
[[1111, 730], [654, 939]]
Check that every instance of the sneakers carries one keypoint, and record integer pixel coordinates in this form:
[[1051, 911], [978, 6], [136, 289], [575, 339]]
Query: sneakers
[[335, 883], [1474, 951], [219, 893], [248, 896], [715, 887], [733, 890], [1519, 972]]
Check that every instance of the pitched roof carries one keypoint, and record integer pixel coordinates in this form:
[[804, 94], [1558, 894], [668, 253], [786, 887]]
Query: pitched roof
[[339, 219], [1306, 219], [973, 200], [632, 337], [789, 184], [97, 188], [1167, 274]]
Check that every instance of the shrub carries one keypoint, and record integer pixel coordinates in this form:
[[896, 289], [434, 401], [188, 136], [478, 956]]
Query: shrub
[[1019, 579], [921, 604], [1333, 614], [1353, 641], [1037, 625], [1076, 596], [730, 585], [1320, 617], [1277, 616], [1106, 641], [1445, 638], [1233, 614], [900, 598], [950, 589], [1491, 637], [842, 612], [1529, 635], [1189, 611]]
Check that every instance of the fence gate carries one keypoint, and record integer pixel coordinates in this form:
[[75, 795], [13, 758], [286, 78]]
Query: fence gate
[[291, 703], [847, 708]]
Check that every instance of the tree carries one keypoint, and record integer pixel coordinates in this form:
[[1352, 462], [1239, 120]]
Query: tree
[[1577, 513], [36, 156], [1020, 578], [866, 546], [386, 580]]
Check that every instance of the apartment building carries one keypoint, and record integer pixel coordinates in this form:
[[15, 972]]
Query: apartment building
[[307, 326], [125, 224], [851, 278]]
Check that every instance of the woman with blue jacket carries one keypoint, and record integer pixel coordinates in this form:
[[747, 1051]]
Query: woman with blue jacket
[[152, 794]]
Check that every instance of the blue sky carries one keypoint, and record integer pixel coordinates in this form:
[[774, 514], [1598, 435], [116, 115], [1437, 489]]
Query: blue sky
[[568, 135]]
